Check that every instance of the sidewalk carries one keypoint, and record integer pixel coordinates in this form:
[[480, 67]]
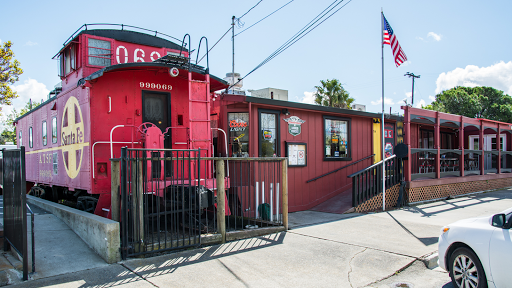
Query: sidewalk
[[320, 250], [58, 250]]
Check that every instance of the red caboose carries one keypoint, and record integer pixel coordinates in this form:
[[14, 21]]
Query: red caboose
[[113, 81]]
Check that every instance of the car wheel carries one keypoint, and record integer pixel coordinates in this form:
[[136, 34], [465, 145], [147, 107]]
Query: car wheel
[[466, 270]]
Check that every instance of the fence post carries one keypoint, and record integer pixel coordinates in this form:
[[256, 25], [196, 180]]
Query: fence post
[[221, 200], [114, 189], [124, 203], [285, 193], [137, 204]]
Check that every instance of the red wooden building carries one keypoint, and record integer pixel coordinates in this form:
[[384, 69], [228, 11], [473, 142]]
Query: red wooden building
[[324, 144]]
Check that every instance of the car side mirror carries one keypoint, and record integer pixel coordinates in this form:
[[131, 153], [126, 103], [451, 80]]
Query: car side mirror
[[499, 220]]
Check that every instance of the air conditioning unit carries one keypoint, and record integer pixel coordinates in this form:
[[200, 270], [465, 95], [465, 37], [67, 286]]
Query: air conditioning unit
[[359, 107]]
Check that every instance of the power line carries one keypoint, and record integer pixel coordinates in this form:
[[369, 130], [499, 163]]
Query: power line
[[214, 45], [238, 19], [249, 10], [299, 35], [263, 18]]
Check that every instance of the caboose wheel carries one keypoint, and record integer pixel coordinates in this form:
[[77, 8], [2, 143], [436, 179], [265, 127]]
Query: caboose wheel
[[86, 203]]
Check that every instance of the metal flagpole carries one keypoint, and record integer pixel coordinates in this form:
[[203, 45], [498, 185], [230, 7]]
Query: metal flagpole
[[382, 121]]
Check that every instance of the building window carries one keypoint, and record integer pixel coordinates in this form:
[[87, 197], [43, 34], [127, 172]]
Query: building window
[[54, 130], [99, 52], [426, 139], [30, 139], [238, 134], [337, 139], [45, 138], [21, 141], [269, 133], [447, 140]]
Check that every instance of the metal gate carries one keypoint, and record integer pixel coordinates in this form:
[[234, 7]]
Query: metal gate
[[163, 200], [15, 204]]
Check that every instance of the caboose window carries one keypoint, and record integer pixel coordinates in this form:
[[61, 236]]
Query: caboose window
[[68, 61], [99, 52], [30, 140], [45, 138], [54, 130], [336, 139], [21, 142]]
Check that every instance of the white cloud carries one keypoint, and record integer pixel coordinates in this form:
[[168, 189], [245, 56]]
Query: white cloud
[[30, 89], [421, 103], [309, 98], [432, 98], [436, 37], [420, 38], [387, 101], [30, 43], [498, 76]]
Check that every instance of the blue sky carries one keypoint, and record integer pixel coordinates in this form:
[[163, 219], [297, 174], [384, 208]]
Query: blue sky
[[448, 43]]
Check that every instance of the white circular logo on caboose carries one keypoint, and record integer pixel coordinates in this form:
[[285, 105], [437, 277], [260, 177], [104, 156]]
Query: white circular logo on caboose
[[72, 138]]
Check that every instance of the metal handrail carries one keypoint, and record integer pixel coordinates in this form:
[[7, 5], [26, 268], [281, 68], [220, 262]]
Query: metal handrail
[[122, 28], [316, 178], [33, 238], [371, 167]]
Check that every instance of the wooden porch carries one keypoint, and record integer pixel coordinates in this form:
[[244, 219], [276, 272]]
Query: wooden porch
[[452, 154]]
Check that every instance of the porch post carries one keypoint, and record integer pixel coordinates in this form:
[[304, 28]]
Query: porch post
[[461, 146], [481, 143], [437, 146], [407, 141], [498, 147]]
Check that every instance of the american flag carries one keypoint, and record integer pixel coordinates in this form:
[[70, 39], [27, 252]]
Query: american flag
[[390, 39]]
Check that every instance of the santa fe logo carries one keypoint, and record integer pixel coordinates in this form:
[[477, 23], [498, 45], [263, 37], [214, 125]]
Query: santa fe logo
[[72, 137], [294, 123]]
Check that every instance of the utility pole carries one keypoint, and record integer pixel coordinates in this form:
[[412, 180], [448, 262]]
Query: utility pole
[[411, 75], [233, 40]]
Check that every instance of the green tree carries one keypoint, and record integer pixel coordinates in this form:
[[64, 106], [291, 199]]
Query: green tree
[[474, 102], [9, 73], [9, 132], [332, 94]]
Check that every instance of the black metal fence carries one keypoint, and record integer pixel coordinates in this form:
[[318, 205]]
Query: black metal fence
[[367, 183], [254, 195], [169, 197], [15, 204]]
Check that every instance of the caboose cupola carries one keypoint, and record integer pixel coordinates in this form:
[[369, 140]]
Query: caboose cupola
[[89, 50]]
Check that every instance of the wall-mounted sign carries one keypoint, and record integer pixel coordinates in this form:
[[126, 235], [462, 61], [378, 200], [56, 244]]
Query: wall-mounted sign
[[294, 123], [237, 125], [267, 134], [296, 153]]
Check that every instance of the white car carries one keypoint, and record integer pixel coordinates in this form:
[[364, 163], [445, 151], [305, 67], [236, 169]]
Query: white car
[[477, 252]]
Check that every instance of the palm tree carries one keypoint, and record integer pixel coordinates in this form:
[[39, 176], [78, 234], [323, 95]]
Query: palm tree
[[332, 94]]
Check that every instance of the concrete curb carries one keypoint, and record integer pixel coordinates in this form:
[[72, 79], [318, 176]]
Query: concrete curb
[[430, 261], [101, 234]]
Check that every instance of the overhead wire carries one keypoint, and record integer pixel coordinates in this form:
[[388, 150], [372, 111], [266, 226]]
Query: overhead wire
[[239, 24], [263, 18], [214, 45], [299, 35], [250, 9]]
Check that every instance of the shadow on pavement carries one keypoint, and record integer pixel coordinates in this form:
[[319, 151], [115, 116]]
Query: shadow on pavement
[[461, 203], [152, 267], [425, 240], [138, 272]]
